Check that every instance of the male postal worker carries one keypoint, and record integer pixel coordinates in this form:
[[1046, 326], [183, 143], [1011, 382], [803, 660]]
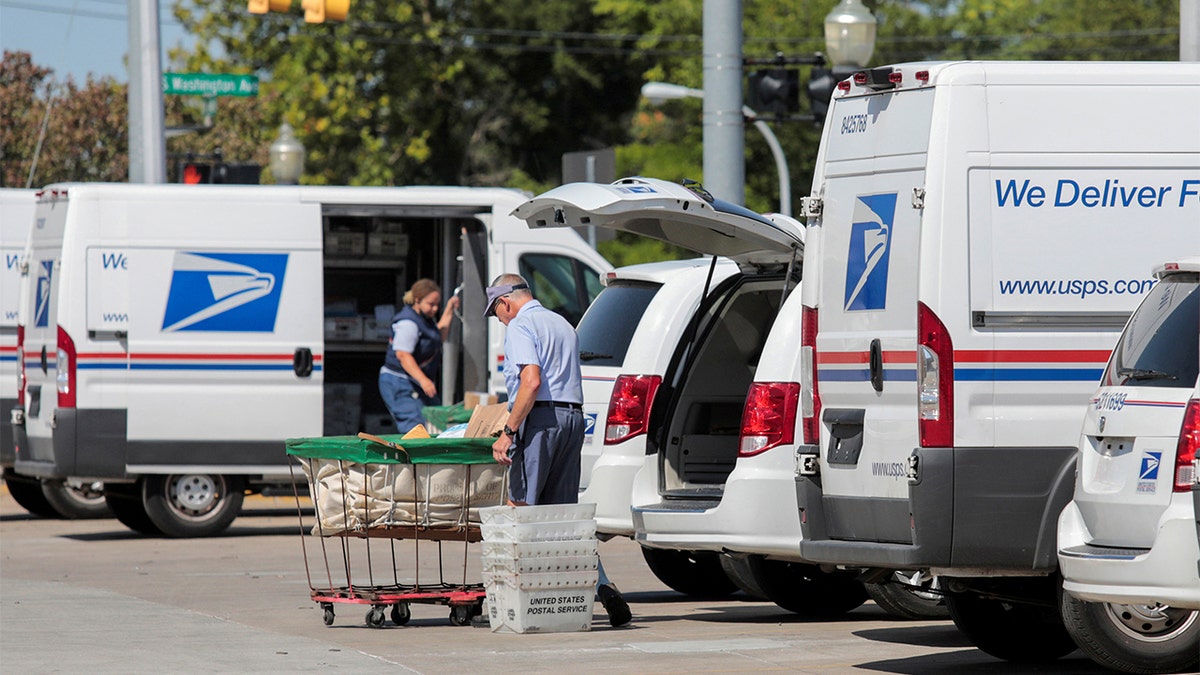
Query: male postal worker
[[543, 440]]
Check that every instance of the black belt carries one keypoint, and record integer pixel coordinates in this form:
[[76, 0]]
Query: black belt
[[557, 404]]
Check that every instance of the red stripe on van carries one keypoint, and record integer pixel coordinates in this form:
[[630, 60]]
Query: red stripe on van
[[1032, 355], [860, 358], [195, 357]]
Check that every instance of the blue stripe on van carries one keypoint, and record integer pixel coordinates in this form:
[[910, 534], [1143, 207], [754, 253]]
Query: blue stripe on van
[[1028, 374], [188, 366]]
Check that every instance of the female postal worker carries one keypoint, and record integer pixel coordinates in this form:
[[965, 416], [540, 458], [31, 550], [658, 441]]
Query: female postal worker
[[414, 356]]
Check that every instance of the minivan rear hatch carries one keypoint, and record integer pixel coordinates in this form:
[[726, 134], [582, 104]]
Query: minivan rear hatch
[[677, 214]]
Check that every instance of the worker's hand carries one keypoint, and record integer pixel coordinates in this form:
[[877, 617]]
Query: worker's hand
[[500, 450], [452, 304], [429, 388]]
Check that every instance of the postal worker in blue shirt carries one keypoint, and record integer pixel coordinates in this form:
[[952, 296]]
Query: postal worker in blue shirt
[[543, 439], [414, 355]]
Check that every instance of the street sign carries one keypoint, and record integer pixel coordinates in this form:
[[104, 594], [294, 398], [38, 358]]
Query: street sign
[[204, 84]]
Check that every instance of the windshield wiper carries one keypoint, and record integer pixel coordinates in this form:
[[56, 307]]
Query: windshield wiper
[[1139, 374], [592, 356]]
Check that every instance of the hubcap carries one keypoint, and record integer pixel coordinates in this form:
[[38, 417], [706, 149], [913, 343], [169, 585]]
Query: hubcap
[[1151, 623], [193, 495]]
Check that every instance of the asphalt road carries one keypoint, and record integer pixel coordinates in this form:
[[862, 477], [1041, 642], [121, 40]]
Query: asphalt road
[[92, 596]]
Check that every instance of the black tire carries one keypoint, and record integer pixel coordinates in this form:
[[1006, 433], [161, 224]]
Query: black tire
[[1012, 631], [27, 492], [1133, 638], [125, 502], [694, 573], [907, 601], [401, 613], [374, 617], [460, 615], [738, 571], [76, 503], [327, 615], [192, 505], [805, 589]]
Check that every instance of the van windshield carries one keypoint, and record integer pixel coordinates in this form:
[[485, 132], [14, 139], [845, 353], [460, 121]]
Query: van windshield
[[608, 326], [1161, 345]]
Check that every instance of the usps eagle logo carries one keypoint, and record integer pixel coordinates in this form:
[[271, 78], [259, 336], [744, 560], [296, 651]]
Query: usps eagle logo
[[870, 252], [41, 304], [237, 292]]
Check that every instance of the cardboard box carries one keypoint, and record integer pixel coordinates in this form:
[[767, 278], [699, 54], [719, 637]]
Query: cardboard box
[[387, 244], [345, 243], [487, 420], [478, 398]]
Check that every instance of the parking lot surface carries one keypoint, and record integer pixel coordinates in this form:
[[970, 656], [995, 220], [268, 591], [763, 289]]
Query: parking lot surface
[[93, 596]]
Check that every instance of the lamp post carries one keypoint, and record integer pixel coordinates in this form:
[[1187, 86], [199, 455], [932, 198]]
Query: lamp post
[[657, 92], [850, 34], [287, 157]]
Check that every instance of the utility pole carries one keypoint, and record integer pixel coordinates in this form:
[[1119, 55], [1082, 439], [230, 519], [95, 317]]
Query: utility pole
[[147, 145], [724, 128]]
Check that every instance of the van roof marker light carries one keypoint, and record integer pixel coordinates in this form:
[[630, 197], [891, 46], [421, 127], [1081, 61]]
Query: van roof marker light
[[922, 76], [844, 85]]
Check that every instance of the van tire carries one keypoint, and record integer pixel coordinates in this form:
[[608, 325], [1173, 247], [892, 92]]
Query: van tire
[[1132, 646], [694, 573], [1012, 631], [806, 589], [192, 505], [125, 502], [27, 492], [908, 601], [737, 568], [75, 503]]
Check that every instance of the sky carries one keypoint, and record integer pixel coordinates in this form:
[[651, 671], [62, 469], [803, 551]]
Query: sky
[[78, 37]]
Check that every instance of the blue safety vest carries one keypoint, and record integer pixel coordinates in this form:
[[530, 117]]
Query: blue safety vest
[[428, 352]]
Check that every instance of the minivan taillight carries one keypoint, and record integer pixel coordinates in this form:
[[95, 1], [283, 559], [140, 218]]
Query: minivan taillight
[[1187, 454], [810, 395], [769, 418], [65, 367], [935, 380], [21, 366], [629, 407]]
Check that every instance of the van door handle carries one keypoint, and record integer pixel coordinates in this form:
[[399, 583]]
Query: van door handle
[[302, 362], [877, 365]]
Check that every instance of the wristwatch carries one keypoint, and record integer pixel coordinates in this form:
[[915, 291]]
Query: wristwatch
[[509, 431]]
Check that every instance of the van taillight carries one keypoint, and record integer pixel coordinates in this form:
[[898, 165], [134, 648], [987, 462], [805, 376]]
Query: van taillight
[[769, 418], [1187, 454], [810, 394], [935, 380], [65, 367], [21, 366], [629, 407]]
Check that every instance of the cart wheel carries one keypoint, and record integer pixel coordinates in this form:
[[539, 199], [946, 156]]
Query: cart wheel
[[375, 617], [328, 613], [401, 613], [460, 615]]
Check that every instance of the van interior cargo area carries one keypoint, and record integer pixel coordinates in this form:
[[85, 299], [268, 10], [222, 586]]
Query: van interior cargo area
[[698, 448]]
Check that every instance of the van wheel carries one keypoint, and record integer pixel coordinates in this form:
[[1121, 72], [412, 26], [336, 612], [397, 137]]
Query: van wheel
[[76, 502], [694, 573], [27, 492], [805, 589], [738, 571], [1135, 638], [910, 596], [1013, 631], [192, 504], [125, 502]]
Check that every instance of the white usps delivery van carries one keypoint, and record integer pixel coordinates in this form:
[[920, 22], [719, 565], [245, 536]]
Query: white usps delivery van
[[175, 335], [978, 233]]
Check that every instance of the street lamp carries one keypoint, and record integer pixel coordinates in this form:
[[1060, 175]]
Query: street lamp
[[850, 34], [658, 92], [287, 157]]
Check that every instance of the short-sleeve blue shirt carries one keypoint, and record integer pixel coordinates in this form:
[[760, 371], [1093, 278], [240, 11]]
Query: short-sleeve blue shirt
[[538, 336]]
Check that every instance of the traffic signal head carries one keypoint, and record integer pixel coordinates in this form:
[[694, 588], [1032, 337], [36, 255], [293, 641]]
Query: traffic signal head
[[774, 92], [264, 6], [318, 11], [195, 173], [821, 83]]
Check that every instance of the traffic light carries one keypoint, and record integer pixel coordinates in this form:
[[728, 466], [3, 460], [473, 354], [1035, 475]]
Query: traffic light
[[774, 92], [317, 11], [264, 6], [195, 173], [821, 83]]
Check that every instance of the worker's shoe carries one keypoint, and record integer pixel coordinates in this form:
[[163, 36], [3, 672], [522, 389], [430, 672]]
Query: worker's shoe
[[614, 604]]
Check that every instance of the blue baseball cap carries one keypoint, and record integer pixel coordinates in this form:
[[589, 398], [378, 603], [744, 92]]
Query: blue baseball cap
[[494, 293]]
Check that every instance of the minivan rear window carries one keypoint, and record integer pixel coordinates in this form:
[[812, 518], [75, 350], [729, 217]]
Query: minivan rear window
[[1161, 345], [607, 328]]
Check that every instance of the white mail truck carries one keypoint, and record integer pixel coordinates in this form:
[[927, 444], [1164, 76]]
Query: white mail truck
[[175, 335], [978, 233]]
